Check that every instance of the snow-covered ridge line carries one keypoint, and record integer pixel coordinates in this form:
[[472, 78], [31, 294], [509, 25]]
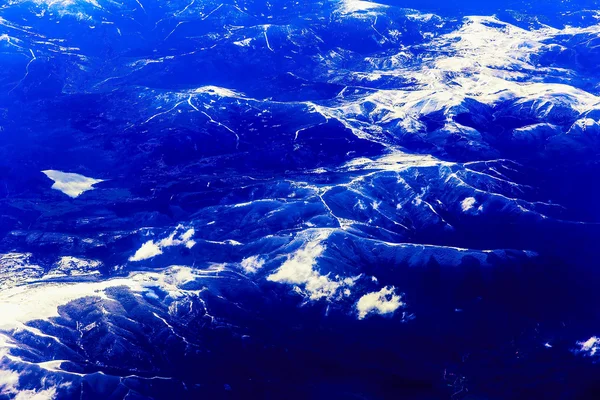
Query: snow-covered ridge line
[[22, 304]]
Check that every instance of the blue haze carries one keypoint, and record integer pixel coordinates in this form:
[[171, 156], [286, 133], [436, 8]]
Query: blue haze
[[299, 199]]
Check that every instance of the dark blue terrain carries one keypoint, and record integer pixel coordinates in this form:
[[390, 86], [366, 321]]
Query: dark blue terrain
[[299, 199]]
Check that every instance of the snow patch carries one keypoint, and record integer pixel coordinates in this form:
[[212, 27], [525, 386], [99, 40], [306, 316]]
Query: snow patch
[[74, 266], [243, 43], [64, 3], [217, 91], [16, 268], [353, 6]]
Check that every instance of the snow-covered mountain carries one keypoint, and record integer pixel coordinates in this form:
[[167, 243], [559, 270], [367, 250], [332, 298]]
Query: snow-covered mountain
[[334, 199]]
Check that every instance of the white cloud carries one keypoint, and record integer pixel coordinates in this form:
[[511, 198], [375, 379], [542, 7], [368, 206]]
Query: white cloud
[[385, 301], [71, 184], [151, 248], [182, 275], [148, 250], [252, 264], [8, 381], [468, 203], [47, 394], [299, 270], [590, 347]]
